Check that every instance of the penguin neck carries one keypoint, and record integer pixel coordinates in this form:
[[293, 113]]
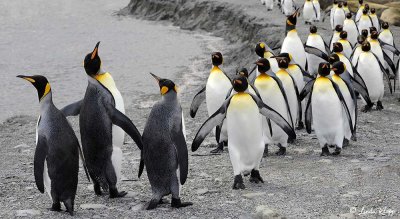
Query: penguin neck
[[215, 69], [46, 102], [170, 97], [291, 31]]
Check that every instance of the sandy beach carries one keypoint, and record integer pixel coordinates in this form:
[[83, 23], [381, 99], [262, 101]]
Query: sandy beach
[[300, 185]]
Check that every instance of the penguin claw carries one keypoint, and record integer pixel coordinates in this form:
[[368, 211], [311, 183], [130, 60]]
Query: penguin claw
[[346, 142], [117, 194], [176, 203], [238, 182], [255, 177], [325, 152], [55, 207], [300, 126], [379, 105], [265, 154], [337, 151], [366, 109]]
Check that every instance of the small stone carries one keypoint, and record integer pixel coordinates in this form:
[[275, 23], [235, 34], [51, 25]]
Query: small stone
[[28, 188], [131, 195], [21, 146], [28, 212], [202, 191], [253, 194], [264, 212], [92, 206], [382, 159], [300, 150], [347, 196], [325, 161], [354, 161], [138, 207]]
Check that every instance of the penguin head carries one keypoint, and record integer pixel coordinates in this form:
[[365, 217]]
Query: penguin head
[[333, 58], [260, 49], [166, 85], [340, 5], [337, 47], [371, 29], [291, 21], [313, 29], [92, 62], [216, 58], [385, 25], [343, 35], [283, 63], [345, 4], [364, 33], [361, 39], [367, 7], [373, 10], [374, 35], [41, 84], [339, 28], [240, 83], [335, 2], [348, 15], [365, 11], [263, 65], [366, 46], [338, 67], [361, 2], [243, 72], [324, 69], [284, 55]]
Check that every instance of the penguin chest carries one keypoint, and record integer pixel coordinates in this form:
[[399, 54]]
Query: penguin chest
[[292, 44], [386, 37], [297, 75], [316, 41], [271, 94], [216, 90], [326, 108], [245, 138], [308, 10], [377, 50]]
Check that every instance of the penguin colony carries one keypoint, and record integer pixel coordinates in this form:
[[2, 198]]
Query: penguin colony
[[313, 85]]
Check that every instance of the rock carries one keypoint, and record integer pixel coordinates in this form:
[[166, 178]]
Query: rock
[[325, 161], [253, 194], [92, 206], [392, 16], [264, 212], [202, 191], [138, 207], [21, 146], [27, 212]]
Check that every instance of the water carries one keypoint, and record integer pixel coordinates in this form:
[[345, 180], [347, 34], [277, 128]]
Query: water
[[52, 37]]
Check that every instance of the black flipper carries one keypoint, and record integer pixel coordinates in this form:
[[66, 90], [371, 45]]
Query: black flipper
[[361, 89], [181, 149], [346, 109], [350, 87], [38, 161], [305, 73], [255, 90], [317, 52], [83, 161], [214, 120], [359, 78], [73, 109], [300, 110], [389, 47], [315, 10], [229, 93], [218, 131], [141, 164], [306, 90], [389, 62], [270, 113], [308, 112], [196, 102], [126, 124]]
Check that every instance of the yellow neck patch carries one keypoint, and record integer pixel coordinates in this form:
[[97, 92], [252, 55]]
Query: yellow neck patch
[[164, 90], [46, 90], [216, 70]]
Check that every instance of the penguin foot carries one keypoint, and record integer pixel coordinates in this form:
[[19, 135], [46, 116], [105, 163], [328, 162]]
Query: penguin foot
[[152, 204], [379, 105], [337, 151], [290, 141], [55, 207], [176, 203], [97, 189], [332, 146], [115, 194], [281, 151], [238, 182], [366, 108], [69, 205], [265, 154], [300, 126], [325, 151], [353, 137], [255, 177], [346, 142], [219, 149]]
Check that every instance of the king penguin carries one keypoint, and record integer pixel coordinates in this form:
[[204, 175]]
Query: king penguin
[[98, 113], [339, 16], [317, 7], [386, 36], [338, 50], [56, 161], [335, 36], [371, 70], [263, 51], [345, 85], [357, 49], [351, 28], [245, 133], [346, 7], [325, 108], [375, 19], [332, 13], [347, 47], [309, 12], [164, 153], [360, 10], [365, 21], [273, 92], [288, 6], [214, 92], [315, 40], [292, 43]]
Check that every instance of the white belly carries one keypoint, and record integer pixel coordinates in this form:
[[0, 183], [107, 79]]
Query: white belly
[[327, 117], [364, 23], [350, 105], [308, 12], [370, 71], [346, 61], [339, 17], [386, 37], [291, 96], [293, 45], [318, 8], [352, 33], [356, 54], [245, 136], [46, 179]]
